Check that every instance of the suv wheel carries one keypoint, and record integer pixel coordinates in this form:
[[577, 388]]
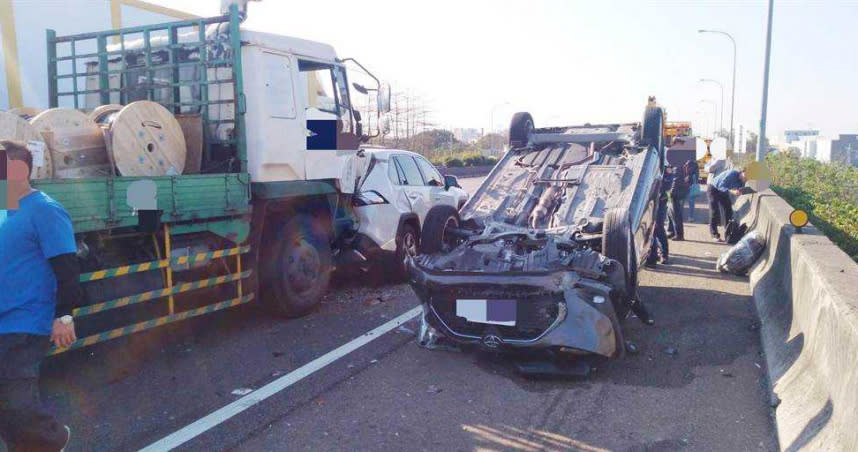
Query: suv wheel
[[407, 245]]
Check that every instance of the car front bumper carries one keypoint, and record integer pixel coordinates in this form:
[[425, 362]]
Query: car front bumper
[[554, 310]]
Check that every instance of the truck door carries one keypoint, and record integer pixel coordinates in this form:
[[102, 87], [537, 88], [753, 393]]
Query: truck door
[[331, 142], [413, 185]]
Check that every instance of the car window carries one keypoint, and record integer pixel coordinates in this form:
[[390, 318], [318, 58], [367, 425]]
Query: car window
[[410, 172], [393, 172], [430, 174]]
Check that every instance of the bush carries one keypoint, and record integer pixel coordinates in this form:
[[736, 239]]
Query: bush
[[828, 192], [453, 162]]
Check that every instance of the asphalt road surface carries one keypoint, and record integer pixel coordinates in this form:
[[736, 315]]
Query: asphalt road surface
[[697, 382]]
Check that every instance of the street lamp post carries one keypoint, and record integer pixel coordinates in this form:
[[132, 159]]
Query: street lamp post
[[733, 96], [720, 121], [762, 145], [492, 127], [714, 113]]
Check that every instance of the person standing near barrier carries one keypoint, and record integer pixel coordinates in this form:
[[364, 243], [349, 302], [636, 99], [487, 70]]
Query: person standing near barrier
[[659, 245], [681, 187], [719, 198], [39, 276]]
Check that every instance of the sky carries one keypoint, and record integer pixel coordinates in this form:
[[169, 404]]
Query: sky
[[570, 62]]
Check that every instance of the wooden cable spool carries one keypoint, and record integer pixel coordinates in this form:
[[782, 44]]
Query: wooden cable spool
[[102, 113], [147, 140], [13, 127], [76, 143]]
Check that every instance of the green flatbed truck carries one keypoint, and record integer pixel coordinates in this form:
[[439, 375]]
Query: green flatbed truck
[[269, 213]]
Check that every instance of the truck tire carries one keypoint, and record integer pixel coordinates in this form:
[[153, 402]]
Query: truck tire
[[434, 239], [297, 267], [520, 129], [407, 244], [618, 244]]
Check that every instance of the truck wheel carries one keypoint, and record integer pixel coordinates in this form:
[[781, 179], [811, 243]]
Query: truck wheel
[[520, 129], [652, 133], [297, 269], [407, 244], [618, 244], [434, 238]]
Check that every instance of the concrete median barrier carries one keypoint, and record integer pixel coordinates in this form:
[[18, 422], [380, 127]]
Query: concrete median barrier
[[806, 292]]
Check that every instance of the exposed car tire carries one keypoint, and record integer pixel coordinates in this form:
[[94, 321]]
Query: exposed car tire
[[652, 133], [407, 244], [520, 129], [438, 219], [296, 269], [618, 244]]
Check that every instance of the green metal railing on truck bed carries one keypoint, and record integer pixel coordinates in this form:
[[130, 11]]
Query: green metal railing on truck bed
[[173, 64], [173, 58]]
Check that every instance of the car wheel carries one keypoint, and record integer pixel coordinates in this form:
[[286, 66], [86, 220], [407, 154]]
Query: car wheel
[[653, 130], [407, 245], [297, 270], [520, 129], [618, 244], [435, 237]]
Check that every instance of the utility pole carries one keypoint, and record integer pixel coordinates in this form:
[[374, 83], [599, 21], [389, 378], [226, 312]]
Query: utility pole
[[762, 142]]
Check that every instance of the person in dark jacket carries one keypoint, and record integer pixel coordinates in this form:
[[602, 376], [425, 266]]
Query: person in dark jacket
[[719, 197], [685, 177], [38, 289], [659, 236]]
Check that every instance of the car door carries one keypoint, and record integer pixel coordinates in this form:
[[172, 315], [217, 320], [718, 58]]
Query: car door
[[413, 185], [435, 184]]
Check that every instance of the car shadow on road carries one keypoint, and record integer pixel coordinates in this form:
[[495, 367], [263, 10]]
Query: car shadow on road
[[694, 328]]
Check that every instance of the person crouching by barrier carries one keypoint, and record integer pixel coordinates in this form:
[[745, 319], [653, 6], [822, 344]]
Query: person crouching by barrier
[[719, 198], [39, 276]]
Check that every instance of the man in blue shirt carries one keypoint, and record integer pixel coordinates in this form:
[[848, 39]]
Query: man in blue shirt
[[719, 197], [38, 290]]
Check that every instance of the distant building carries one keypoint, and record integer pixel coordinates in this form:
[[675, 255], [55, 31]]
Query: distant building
[[467, 135], [23, 53], [792, 136], [845, 149]]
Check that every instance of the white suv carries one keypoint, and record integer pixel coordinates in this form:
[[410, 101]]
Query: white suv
[[399, 189]]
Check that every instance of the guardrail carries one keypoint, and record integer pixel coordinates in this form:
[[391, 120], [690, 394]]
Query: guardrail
[[806, 292]]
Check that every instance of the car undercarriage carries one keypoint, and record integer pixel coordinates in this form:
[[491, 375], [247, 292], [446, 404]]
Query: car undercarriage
[[545, 254]]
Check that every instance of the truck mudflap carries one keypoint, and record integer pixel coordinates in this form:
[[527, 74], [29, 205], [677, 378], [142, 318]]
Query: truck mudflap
[[552, 310]]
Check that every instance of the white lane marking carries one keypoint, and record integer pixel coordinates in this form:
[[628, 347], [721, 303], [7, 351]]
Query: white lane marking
[[215, 418]]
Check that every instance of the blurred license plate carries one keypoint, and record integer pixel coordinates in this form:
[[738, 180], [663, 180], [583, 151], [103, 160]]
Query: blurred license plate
[[493, 312]]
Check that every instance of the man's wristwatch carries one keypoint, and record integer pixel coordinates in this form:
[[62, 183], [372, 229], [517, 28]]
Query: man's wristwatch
[[66, 320]]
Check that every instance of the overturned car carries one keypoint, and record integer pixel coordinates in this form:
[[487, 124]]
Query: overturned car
[[545, 255]]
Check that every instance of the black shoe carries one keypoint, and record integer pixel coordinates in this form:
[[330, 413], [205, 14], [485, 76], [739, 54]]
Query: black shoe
[[664, 261], [716, 238], [679, 239], [649, 264], [643, 313]]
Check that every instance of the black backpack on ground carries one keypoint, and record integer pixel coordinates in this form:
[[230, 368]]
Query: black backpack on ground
[[734, 231]]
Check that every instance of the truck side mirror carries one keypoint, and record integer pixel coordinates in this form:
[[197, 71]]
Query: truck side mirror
[[383, 98]]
